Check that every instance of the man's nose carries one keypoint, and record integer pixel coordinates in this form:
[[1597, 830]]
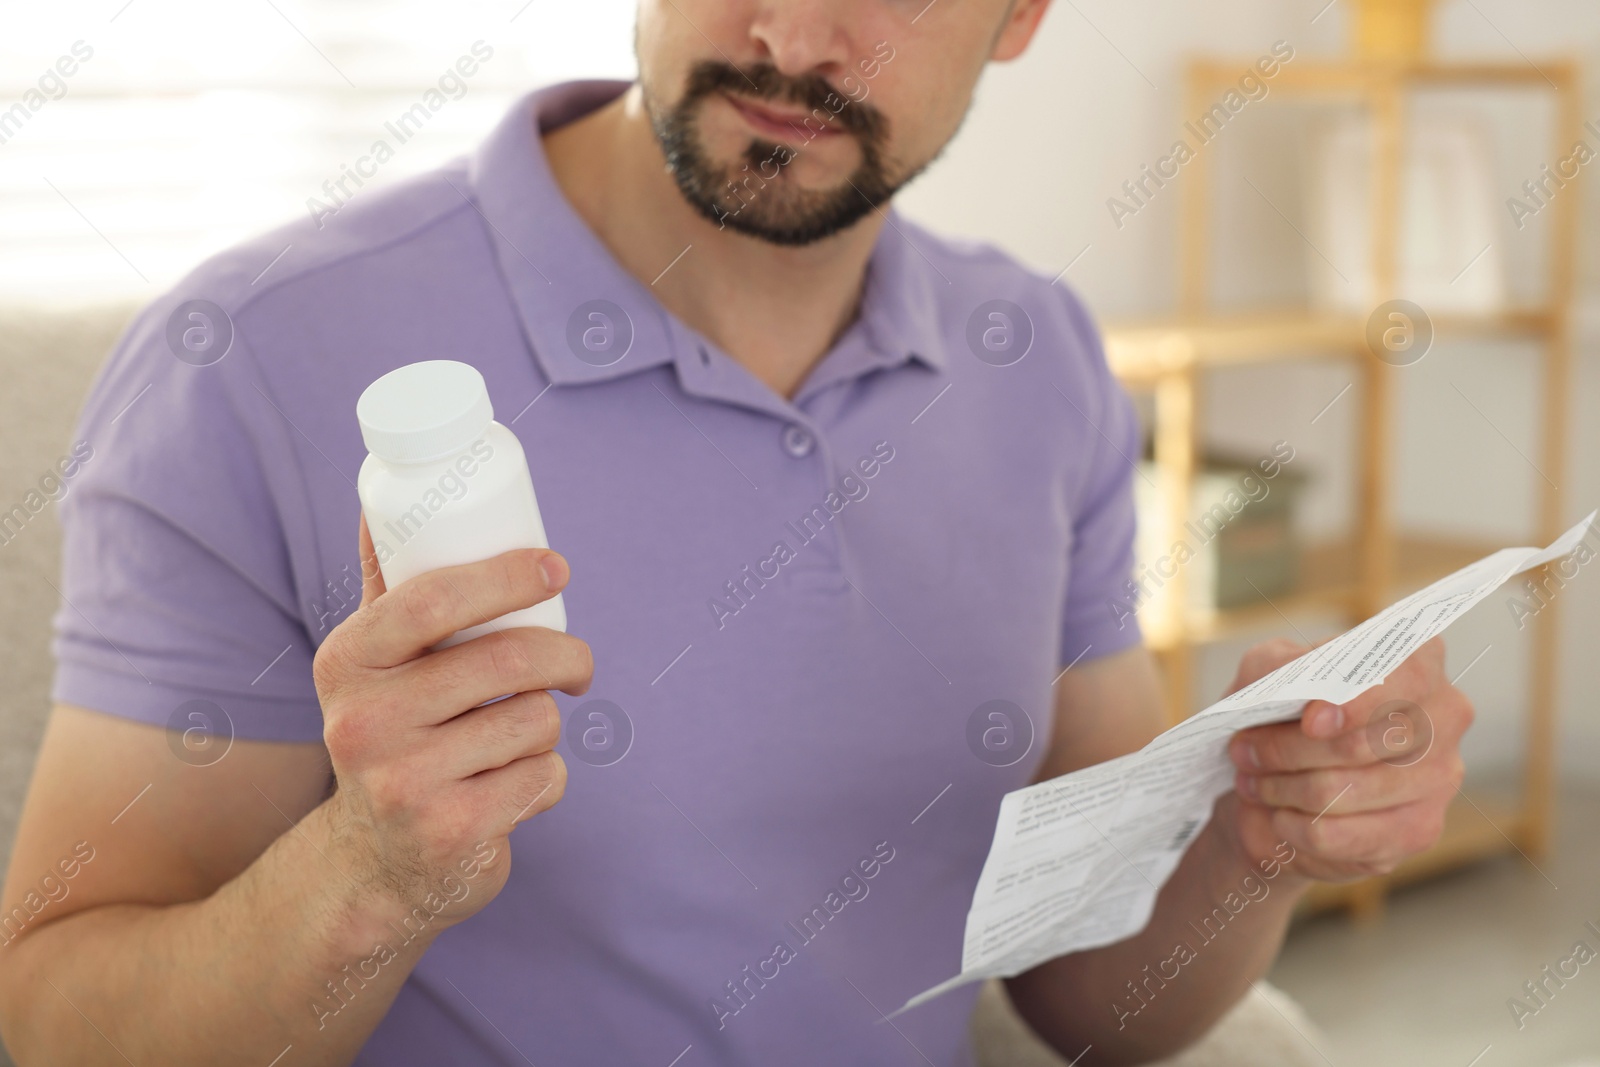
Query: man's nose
[[804, 36]]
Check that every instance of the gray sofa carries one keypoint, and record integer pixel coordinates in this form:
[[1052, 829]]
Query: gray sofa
[[47, 360]]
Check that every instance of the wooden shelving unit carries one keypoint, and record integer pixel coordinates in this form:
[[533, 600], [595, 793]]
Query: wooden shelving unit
[[1378, 563]]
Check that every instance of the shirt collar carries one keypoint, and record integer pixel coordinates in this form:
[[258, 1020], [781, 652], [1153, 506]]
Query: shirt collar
[[587, 318], [900, 304]]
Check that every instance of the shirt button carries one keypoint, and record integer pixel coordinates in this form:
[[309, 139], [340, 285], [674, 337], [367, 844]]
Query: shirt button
[[797, 441]]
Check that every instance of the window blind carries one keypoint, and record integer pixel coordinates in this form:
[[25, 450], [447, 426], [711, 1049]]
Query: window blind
[[139, 136]]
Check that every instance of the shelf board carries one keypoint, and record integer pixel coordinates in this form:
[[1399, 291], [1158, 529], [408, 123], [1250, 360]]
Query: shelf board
[[1328, 583], [1477, 825], [1531, 322], [1142, 351], [1356, 76]]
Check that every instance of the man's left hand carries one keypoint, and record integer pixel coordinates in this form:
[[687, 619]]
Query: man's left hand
[[1355, 788]]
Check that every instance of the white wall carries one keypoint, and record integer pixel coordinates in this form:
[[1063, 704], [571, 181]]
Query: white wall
[[1053, 135]]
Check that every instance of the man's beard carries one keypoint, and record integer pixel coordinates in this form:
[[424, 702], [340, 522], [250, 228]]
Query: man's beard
[[759, 201]]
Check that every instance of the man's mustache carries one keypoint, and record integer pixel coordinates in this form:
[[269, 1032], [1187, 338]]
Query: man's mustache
[[763, 81]]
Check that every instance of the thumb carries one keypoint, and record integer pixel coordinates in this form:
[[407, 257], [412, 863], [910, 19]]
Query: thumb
[[372, 585]]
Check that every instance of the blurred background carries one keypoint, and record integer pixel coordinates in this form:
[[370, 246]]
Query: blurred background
[[1397, 151]]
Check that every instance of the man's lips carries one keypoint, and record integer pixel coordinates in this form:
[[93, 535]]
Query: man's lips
[[779, 123]]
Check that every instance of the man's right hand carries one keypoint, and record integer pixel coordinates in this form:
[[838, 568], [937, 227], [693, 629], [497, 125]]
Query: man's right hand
[[426, 776], [203, 868]]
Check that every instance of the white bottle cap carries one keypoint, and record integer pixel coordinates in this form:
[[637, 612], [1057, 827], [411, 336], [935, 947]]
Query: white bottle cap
[[424, 411]]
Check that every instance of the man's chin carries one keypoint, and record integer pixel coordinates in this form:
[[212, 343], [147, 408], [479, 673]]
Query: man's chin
[[792, 225], [758, 190]]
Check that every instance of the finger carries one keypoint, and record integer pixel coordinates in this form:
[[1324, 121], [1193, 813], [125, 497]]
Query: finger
[[1413, 681], [483, 739], [1343, 790], [1262, 659], [522, 788], [1283, 747], [1323, 721], [419, 613], [445, 683], [372, 586], [1361, 844]]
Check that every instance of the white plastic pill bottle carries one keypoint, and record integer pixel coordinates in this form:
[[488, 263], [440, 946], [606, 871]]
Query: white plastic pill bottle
[[444, 484]]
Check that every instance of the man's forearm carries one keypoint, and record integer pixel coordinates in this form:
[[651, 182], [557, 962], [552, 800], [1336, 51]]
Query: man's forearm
[[1217, 925], [285, 954]]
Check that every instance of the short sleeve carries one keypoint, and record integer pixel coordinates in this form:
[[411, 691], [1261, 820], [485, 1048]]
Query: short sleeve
[[1098, 617], [176, 584]]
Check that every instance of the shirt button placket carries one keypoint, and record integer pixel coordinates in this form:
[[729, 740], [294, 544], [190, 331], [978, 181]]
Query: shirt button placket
[[824, 557]]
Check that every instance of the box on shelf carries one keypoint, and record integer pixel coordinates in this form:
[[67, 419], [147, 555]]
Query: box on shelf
[[1237, 546]]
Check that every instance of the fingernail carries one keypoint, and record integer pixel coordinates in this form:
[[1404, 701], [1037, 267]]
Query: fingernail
[[1247, 786], [1250, 754], [555, 571], [1327, 720]]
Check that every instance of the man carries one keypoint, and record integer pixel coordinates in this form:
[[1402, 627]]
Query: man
[[835, 494]]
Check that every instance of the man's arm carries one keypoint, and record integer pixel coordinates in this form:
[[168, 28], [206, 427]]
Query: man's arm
[[198, 930], [1106, 708], [1150, 995], [217, 915]]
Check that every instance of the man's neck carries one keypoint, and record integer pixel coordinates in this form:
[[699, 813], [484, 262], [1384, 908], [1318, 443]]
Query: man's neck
[[776, 310]]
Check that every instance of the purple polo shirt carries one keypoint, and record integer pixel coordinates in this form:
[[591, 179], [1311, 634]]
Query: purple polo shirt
[[825, 629]]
